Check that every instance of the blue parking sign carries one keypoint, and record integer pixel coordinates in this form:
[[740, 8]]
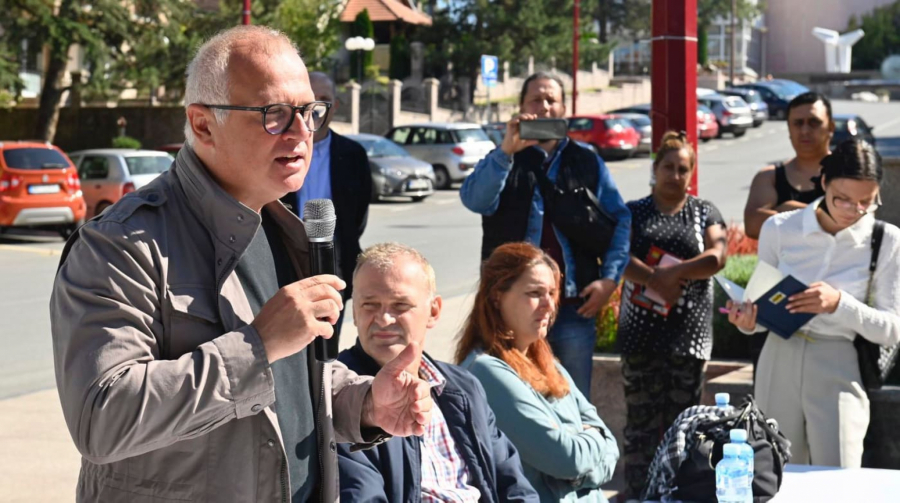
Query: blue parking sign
[[489, 69]]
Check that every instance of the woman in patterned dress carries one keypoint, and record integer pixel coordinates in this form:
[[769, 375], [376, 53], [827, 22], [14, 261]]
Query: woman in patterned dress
[[665, 322]]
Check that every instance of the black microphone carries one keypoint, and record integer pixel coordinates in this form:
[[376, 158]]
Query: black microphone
[[319, 219]]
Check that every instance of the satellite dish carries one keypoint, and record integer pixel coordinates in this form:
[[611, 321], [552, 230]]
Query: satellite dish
[[890, 68]]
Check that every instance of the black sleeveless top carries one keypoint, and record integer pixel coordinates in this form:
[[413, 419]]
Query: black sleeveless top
[[787, 192]]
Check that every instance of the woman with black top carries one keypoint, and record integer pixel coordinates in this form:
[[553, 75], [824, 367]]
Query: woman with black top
[[665, 322]]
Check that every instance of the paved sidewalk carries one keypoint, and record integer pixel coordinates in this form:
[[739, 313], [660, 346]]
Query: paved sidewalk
[[39, 463]]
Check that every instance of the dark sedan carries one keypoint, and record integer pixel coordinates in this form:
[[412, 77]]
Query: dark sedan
[[394, 171], [849, 126]]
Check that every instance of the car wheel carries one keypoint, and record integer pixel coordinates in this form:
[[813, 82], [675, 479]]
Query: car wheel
[[705, 140], [441, 178], [375, 197], [780, 115], [100, 207], [418, 199], [739, 132], [66, 231]]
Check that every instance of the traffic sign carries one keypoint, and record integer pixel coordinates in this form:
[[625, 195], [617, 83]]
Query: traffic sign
[[489, 68]]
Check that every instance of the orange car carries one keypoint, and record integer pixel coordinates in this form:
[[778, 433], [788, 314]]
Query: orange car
[[39, 187]]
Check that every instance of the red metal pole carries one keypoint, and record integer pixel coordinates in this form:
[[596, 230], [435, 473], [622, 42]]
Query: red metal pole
[[576, 33], [674, 75], [246, 16]]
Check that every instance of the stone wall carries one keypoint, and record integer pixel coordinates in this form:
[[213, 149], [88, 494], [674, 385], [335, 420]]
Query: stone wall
[[85, 128]]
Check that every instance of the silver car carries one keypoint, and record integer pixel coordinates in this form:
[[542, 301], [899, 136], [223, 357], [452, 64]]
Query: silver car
[[452, 149], [108, 174], [644, 126], [732, 113], [394, 171]]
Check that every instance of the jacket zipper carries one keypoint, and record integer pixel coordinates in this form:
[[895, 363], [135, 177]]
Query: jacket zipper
[[321, 436], [283, 488]]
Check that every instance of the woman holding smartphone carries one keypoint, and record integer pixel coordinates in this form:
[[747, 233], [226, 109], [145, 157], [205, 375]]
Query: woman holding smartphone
[[665, 324], [810, 383]]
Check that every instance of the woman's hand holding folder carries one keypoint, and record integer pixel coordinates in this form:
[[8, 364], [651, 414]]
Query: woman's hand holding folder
[[819, 298], [742, 315]]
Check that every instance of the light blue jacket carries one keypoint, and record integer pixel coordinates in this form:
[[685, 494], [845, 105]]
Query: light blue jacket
[[480, 192], [562, 460]]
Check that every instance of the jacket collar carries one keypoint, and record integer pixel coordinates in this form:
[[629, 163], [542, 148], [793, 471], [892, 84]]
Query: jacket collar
[[860, 232]]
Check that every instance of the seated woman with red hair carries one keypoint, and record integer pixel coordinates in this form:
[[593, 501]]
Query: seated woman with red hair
[[566, 450]]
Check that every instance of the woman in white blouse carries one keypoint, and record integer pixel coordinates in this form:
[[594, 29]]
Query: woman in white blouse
[[810, 383]]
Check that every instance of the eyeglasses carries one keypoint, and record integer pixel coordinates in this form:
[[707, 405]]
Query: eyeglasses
[[279, 117], [859, 208]]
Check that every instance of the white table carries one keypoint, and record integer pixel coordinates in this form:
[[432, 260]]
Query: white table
[[824, 484]]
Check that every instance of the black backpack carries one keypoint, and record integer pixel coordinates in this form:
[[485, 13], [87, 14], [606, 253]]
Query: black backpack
[[684, 467]]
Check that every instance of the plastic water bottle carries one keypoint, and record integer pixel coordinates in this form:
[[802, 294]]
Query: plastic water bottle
[[745, 454], [722, 400], [731, 478]]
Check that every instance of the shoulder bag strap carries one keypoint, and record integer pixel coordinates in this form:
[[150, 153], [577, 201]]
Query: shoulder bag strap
[[877, 235]]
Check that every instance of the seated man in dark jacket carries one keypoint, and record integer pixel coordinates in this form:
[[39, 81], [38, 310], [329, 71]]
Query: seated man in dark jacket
[[462, 456]]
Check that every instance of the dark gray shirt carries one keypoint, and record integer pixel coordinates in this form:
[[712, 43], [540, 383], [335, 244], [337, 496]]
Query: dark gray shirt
[[263, 270]]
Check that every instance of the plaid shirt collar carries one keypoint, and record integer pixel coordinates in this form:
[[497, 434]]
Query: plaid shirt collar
[[429, 372]]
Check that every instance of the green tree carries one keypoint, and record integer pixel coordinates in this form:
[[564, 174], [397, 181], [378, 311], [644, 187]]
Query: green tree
[[400, 54], [105, 29], [882, 38], [315, 27], [709, 10], [362, 27]]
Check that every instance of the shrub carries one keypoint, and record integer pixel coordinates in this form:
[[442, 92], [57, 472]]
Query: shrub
[[738, 243], [125, 142], [608, 323], [728, 341]]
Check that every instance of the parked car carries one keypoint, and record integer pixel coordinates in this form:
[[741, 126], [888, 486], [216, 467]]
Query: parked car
[[707, 127], [110, 173], [612, 136], [776, 97], [732, 113], [394, 171], [39, 188], [644, 126], [635, 109], [758, 107], [849, 126], [452, 149], [495, 131]]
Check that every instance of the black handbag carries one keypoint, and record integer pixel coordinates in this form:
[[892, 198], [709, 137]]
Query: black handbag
[[695, 479], [577, 214], [875, 361]]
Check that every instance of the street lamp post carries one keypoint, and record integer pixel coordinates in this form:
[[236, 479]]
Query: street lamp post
[[362, 44]]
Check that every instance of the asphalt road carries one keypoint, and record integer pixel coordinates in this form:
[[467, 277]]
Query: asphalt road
[[440, 227]]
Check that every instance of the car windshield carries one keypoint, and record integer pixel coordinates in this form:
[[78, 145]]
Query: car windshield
[[34, 158], [470, 135], [613, 123], [383, 148], [148, 165]]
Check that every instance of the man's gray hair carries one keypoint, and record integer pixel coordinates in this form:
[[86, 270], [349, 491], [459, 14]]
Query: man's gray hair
[[382, 257], [207, 73]]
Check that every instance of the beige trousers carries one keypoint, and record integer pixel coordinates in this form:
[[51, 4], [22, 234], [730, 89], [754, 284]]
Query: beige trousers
[[814, 391]]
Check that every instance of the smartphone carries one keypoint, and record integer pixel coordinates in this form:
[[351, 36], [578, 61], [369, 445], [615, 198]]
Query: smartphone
[[543, 129]]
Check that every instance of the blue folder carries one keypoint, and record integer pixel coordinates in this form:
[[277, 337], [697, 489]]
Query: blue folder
[[772, 311]]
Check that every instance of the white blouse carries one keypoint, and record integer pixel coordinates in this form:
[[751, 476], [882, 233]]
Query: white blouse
[[796, 244]]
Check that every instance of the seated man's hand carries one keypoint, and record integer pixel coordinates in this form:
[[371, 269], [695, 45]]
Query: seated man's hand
[[399, 403]]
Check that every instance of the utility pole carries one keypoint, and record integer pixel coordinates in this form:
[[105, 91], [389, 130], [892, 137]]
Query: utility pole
[[575, 36], [674, 75], [733, 41]]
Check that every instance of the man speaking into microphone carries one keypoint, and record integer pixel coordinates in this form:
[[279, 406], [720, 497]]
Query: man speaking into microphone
[[182, 317]]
